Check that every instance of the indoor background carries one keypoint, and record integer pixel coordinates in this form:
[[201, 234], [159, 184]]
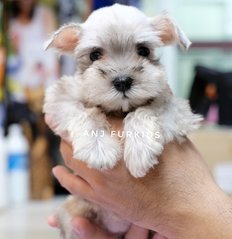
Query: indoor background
[[28, 149]]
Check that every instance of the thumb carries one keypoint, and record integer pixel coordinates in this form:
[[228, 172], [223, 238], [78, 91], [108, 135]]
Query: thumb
[[158, 236], [136, 232], [87, 230]]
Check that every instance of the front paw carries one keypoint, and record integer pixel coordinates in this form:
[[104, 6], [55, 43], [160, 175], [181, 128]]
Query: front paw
[[100, 152], [141, 155]]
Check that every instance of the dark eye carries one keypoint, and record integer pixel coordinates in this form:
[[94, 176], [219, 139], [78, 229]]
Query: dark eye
[[95, 55], [143, 51]]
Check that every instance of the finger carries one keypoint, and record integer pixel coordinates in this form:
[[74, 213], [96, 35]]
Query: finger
[[90, 175], [65, 148], [67, 153], [48, 120], [136, 232], [74, 184], [158, 236], [87, 230], [52, 221]]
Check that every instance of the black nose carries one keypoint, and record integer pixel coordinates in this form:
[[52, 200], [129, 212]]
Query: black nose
[[122, 83]]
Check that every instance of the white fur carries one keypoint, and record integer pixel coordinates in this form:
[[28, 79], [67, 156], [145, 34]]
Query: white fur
[[78, 104], [142, 148]]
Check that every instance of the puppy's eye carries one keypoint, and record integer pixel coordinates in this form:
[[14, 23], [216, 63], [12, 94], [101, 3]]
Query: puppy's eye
[[143, 51], [95, 55]]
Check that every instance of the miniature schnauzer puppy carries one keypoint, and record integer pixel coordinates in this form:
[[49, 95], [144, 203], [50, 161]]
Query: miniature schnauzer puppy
[[118, 73]]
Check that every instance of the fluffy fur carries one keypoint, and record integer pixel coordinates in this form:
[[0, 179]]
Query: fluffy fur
[[78, 104]]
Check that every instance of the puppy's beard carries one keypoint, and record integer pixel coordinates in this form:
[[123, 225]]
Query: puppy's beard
[[98, 90], [112, 101], [119, 104]]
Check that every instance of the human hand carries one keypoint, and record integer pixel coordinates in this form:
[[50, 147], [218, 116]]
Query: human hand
[[178, 198], [86, 230]]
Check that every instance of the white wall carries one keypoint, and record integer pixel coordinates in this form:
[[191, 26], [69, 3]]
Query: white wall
[[201, 20]]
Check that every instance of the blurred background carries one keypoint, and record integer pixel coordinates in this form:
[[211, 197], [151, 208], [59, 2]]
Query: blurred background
[[28, 149]]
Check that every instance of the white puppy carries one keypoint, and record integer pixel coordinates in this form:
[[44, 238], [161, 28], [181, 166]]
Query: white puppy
[[118, 73]]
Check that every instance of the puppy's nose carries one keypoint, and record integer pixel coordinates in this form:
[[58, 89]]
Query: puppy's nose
[[122, 83]]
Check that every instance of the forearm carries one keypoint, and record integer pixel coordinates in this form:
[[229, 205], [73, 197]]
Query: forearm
[[212, 219], [217, 218]]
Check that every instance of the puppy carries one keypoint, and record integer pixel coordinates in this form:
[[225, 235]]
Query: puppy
[[118, 73]]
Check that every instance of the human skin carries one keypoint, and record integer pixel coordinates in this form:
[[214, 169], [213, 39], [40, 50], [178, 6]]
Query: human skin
[[178, 198], [87, 230]]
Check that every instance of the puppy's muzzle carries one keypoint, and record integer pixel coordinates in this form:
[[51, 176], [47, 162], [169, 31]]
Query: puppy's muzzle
[[122, 83]]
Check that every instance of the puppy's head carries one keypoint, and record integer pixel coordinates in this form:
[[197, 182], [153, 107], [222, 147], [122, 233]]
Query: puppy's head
[[116, 57]]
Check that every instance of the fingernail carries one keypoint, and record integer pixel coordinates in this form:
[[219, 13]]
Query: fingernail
[[54, 171]]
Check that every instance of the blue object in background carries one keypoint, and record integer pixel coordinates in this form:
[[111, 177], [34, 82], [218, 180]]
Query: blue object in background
[[135, 3], [102, 3], [17, 162]]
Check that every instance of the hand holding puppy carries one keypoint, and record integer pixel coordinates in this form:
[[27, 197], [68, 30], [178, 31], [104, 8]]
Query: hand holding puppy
[[177, 199], [87, 230]]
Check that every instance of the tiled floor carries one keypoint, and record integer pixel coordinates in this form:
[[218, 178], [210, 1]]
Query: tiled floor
[[28, 221]]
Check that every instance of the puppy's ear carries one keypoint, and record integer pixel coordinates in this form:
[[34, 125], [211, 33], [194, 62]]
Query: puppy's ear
[[65, 39], [169, 32]]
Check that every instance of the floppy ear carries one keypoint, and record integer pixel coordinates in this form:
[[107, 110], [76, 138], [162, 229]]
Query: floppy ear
[[65, 39], [169, 32]]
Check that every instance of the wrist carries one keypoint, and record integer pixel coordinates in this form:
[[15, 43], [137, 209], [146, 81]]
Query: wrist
[[210, 218]]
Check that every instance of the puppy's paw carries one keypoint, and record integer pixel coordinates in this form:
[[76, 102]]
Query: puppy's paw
[[73, 207], [100, 152], [141, 155], [67, 232], [143, 141]]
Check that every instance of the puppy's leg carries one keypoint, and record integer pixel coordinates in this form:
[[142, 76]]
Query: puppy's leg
[[86, 128], [92, 142], [143, 141], [75, 206]]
